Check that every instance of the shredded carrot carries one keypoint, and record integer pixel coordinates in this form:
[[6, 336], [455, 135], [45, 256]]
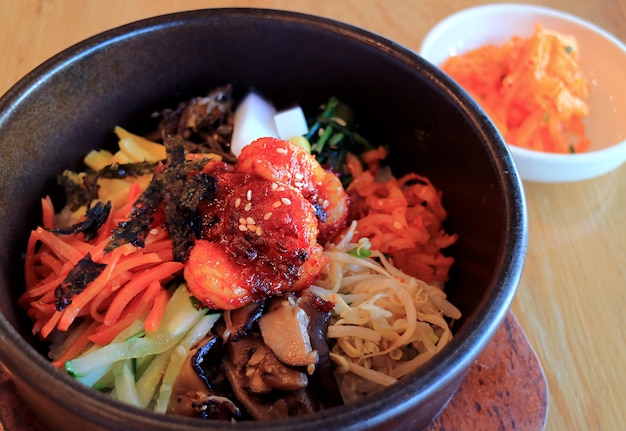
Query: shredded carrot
[[98, 305], [401, 217], [48, 213], [140, 282], [49, 326], [156, 314], [137, 309], [532, 88], [63, 248], [129, 287], [80, 341]]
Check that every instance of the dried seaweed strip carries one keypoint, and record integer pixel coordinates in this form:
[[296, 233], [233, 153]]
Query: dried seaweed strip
[[83, 273], [94, 219], [184, 187], [135, 229], [79, 194], [125, 170]]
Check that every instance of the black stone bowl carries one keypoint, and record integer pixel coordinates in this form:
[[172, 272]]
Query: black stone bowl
[[70, 104]]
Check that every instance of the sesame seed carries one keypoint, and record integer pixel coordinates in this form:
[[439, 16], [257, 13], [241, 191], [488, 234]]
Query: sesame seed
[[325, 203], [298, 184], [243, 227], [274, 186], [248, 206], [237, 202], [298, 176], [267, 216], [242, 220], [250, 220], [281, 150], [154, 231], [251, 227], [276, 204], [286, 201], [249, 195], [280, 189], [259, 231]]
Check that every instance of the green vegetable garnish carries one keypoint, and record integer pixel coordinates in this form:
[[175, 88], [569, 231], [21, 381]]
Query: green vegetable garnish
[[360, 252], [333, 135]]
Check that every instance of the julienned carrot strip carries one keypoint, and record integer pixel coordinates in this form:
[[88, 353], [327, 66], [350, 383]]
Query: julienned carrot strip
[[50, 261], [43, 308], [45, 286], [100, 300], [50, 324], [62, 248], [160, 248], [138, 261], [48, 214], [97, 250], [78, 344], [78, 243], [136, 309], [156, 314], [136, 285]]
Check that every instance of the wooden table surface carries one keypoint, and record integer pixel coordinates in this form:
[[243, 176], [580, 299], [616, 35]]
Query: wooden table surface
[[571, 300]]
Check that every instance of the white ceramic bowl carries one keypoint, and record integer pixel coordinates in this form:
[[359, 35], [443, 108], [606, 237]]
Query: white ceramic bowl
[[603, 60]]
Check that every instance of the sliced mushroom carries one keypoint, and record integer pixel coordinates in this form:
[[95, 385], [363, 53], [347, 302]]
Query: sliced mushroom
[[184, 390], [256, 384], [194, 391], [257, 406], [206, 360], [285, 330], [241, 351], [322, 384], [216, 407], [242, 319], [277, 375]]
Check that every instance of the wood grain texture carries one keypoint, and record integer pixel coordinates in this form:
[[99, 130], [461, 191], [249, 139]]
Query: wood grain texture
[[572, 295]]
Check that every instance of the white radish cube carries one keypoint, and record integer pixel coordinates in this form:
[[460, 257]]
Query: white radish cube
[[254, 119], [290, 123]]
